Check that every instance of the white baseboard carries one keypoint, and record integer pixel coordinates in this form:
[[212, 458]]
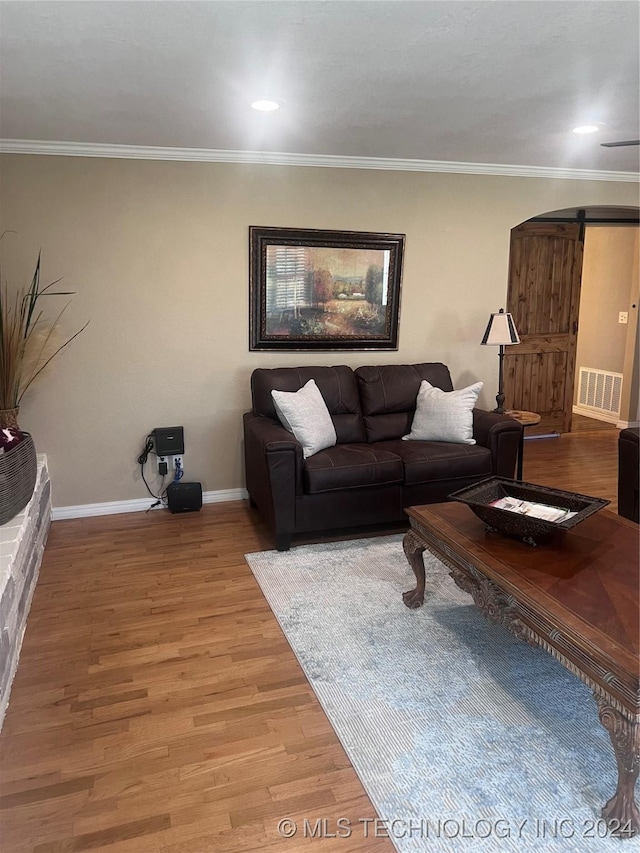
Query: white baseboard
[[627, 424], [596, 415], [139, 505]]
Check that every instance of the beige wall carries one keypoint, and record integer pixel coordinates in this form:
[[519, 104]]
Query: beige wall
[[158, 255], [610, 258]]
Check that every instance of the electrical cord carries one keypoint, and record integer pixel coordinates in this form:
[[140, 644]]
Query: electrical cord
[[159, 502], [148, 448], [178, 472], [142, 461]]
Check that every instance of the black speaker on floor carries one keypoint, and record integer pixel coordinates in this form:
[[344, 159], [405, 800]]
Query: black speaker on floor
[[184, 497]]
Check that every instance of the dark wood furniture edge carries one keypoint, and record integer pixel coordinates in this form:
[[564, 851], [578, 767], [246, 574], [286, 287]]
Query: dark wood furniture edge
[[572, 651], [620, 718]]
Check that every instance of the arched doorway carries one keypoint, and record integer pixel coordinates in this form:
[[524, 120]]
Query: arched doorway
[[545, 275]]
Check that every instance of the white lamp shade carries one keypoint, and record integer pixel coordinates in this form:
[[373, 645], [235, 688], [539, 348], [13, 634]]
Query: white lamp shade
[[501, 330]]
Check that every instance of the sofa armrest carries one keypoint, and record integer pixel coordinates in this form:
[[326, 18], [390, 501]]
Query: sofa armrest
[[269, 435], [502, 435], [628, 498], [273, 471]]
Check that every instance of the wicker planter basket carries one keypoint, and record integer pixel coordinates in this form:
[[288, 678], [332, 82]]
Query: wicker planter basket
[[17, 478]]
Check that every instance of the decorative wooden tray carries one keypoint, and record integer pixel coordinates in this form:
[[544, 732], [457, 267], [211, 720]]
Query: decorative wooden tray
[[526, 527]]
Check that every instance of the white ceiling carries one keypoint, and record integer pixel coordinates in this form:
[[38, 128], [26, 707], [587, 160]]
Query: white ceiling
[[473, 82]]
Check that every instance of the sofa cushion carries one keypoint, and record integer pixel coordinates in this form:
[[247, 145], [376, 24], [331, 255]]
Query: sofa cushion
[[351, 466], [444, 415], [337, 386], [425, 461], [305, 414], [388, 395]]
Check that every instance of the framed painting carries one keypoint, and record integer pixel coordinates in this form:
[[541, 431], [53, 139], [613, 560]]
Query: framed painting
[[324, 290]]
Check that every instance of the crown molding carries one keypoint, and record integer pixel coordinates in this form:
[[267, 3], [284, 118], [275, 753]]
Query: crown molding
[[330, 161]]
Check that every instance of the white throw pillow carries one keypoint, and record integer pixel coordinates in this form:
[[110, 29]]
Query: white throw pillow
[[305, 414], [444, 415]]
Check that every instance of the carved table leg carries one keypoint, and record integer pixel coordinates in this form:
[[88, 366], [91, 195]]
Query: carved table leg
[[414, 549], [622, 811]]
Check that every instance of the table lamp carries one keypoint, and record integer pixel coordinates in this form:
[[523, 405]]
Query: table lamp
[[501, 331]]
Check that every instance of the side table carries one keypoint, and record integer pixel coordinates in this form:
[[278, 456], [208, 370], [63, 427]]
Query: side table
[[526, 419]]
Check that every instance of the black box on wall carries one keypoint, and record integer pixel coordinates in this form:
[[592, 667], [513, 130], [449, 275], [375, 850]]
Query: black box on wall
[[169, 441], [184, 497]]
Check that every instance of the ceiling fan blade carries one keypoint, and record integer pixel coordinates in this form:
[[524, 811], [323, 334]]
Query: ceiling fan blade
[[619, 144]]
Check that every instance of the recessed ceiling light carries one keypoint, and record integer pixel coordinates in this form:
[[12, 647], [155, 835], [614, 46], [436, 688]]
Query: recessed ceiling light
[[265, 106], [586, 128]]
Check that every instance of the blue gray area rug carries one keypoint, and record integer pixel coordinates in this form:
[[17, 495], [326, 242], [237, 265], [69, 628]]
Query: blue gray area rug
[[463, 737]]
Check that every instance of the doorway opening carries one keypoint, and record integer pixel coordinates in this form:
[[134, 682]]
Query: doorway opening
[[573, 276]]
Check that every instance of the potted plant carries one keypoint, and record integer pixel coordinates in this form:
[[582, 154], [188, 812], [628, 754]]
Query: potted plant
[[29, 341]]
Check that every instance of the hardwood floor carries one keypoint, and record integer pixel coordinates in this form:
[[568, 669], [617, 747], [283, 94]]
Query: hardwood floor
[[584, 460], [158, 708]]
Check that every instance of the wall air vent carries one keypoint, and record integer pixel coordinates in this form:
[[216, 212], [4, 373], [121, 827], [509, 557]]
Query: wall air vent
[[600, 391]]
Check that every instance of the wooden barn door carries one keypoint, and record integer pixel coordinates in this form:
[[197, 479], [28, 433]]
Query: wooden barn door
[[545, 270]]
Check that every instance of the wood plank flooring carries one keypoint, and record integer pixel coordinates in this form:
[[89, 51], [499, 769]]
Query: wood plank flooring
[[158, 707], [584, 460]]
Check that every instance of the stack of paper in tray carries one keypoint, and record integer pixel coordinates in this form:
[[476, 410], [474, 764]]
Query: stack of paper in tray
[[537, 510]]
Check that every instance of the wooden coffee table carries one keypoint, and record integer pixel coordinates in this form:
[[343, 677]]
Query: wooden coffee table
[[575, 596]]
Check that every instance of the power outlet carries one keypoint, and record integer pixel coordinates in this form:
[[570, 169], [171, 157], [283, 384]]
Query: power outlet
[[623, 317], [175, 462]]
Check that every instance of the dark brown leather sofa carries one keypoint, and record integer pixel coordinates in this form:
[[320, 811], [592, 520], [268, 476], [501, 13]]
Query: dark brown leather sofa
[[628, 474], [371, 475]]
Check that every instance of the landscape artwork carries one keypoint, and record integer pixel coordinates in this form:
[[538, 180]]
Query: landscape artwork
[[324, 289]]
